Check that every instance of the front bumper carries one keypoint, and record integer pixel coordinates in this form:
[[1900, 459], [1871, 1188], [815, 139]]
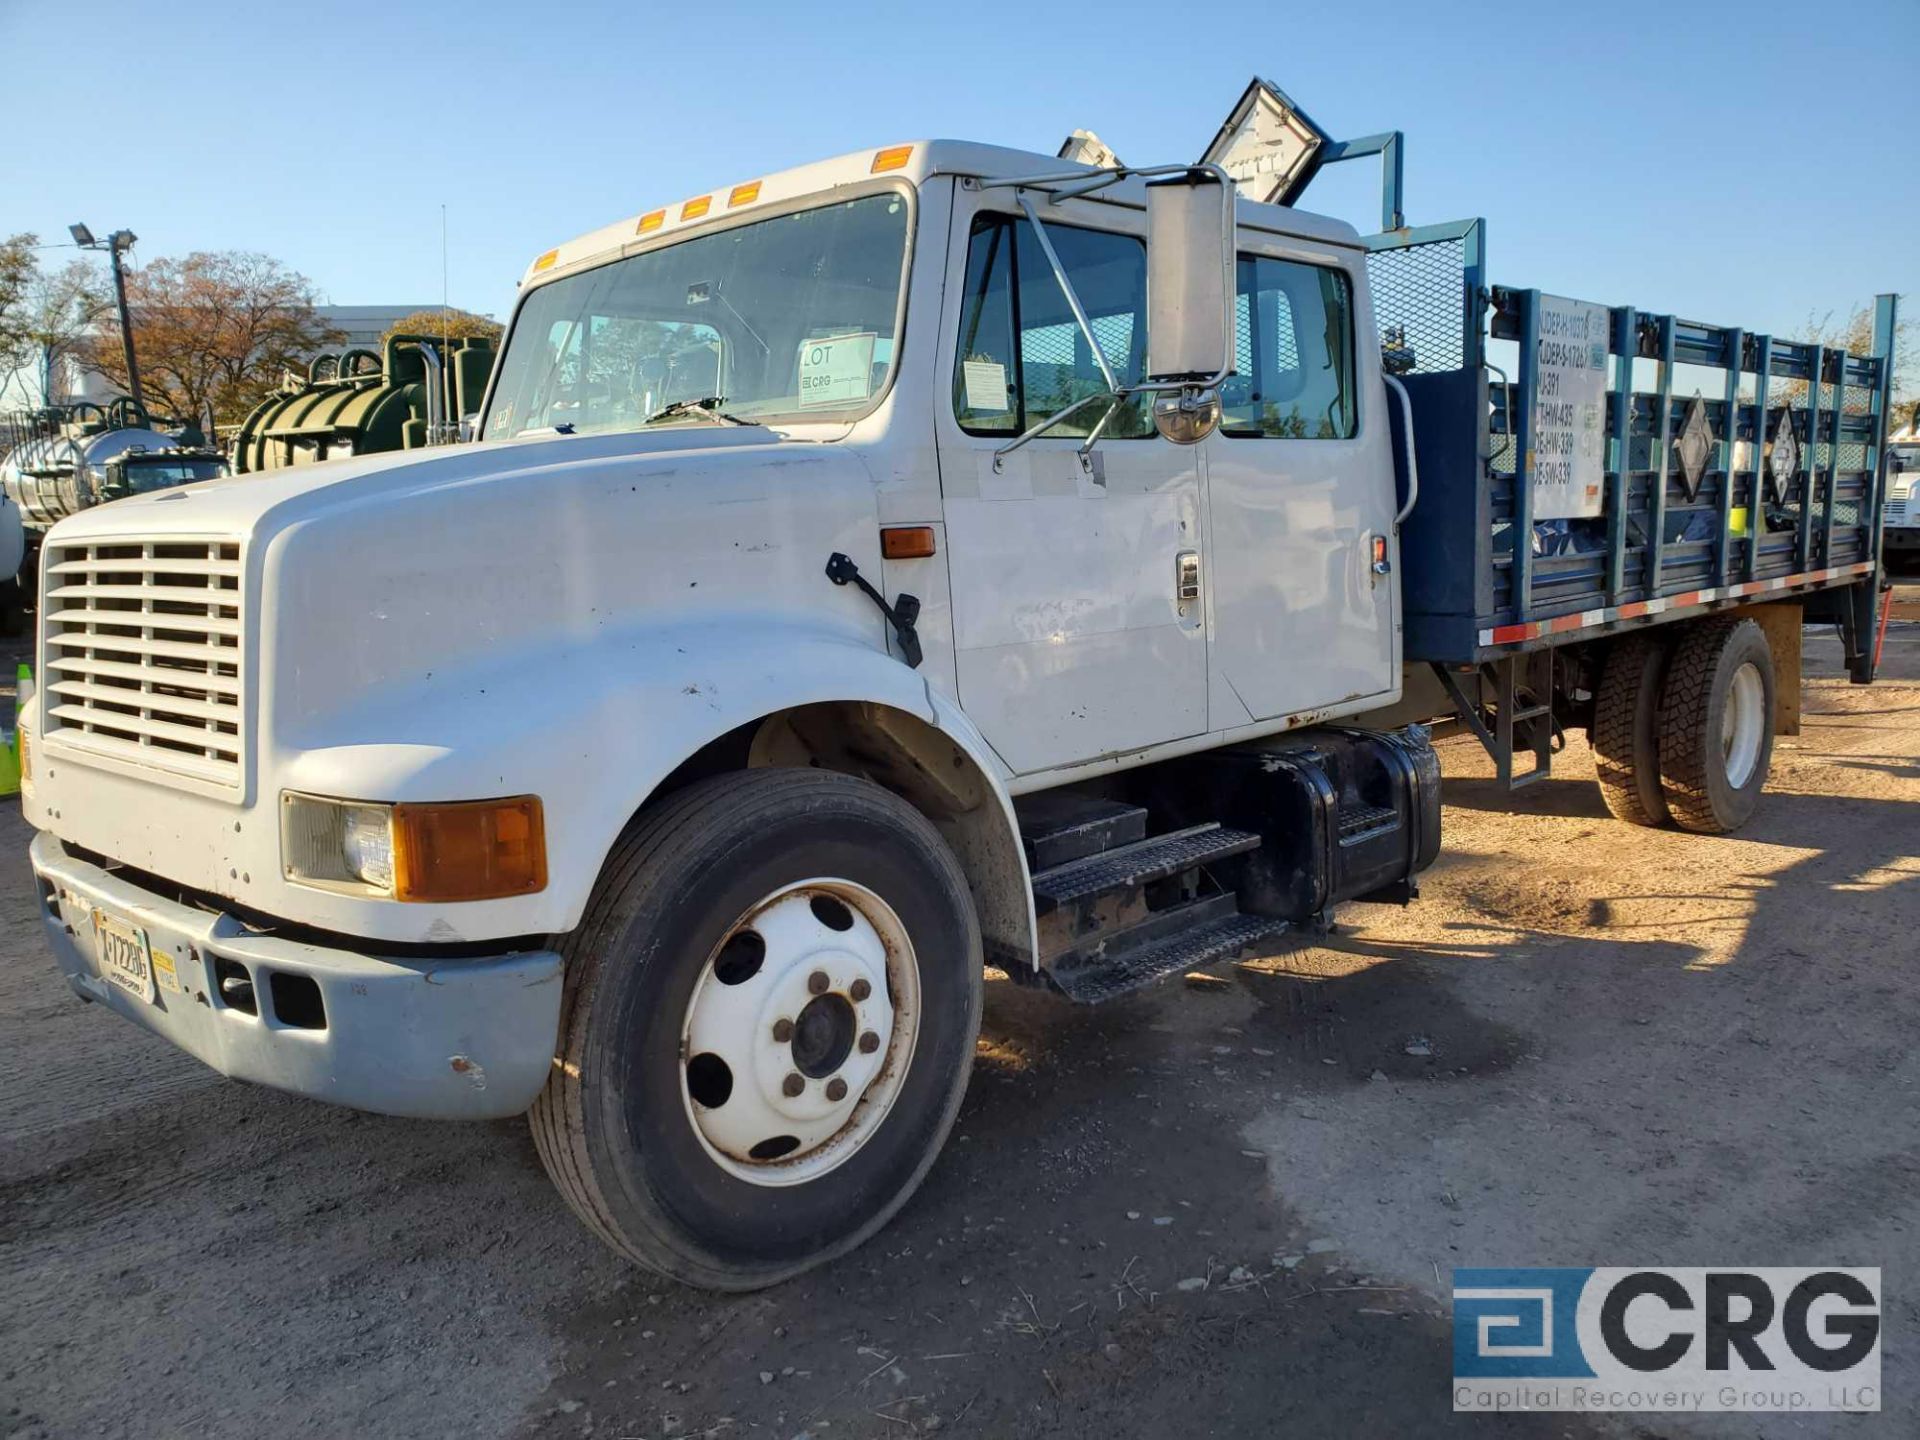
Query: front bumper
[[441, 1039]]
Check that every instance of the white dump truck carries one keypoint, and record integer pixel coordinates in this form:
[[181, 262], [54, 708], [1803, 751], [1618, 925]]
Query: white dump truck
[[934, 558]]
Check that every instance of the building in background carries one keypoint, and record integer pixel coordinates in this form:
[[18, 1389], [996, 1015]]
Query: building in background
[[363, 325]]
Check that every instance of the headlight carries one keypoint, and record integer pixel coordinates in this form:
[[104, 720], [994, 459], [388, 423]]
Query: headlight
[[460, 850], [366, 843]]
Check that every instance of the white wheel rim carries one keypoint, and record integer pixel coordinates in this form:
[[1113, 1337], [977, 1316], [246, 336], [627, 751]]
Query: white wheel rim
[[1743, 724], [815, 1042]]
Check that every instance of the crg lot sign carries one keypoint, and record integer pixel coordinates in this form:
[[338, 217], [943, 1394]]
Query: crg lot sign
[[1771, 1338]]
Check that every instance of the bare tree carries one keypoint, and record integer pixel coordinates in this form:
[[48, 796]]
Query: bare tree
[[18, 265], [58, 311], [1855, 336]]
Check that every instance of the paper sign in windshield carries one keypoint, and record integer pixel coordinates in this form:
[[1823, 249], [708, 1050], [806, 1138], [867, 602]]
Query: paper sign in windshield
[[1569, 410], [836, 371], [986, 382]]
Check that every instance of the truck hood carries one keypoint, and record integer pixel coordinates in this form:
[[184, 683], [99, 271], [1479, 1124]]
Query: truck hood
[[381, 593], [256, 504]]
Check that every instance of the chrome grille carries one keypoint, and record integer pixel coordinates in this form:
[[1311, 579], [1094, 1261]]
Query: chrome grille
[[143, 653]]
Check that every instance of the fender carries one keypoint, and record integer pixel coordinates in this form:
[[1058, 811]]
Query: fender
[[594, 728]]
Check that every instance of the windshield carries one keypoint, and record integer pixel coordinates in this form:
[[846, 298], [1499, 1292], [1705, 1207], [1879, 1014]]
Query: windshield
[[165, 474], [791, 317]]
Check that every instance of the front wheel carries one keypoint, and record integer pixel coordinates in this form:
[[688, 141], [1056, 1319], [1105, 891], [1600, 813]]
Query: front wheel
[[771, 1011]]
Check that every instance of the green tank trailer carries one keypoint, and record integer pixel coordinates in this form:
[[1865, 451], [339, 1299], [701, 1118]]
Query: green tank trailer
[[413, 393]]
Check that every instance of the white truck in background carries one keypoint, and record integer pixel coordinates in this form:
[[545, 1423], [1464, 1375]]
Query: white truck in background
[[934, 557], [1903, 492]]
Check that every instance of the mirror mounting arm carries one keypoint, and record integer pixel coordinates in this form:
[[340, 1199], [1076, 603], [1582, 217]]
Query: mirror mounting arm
[[1071, 184], [1034, 432], [1066, 289]]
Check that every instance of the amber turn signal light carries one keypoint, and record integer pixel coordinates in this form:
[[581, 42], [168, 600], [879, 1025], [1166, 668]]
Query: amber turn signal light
[[469, 850], [906, 542]]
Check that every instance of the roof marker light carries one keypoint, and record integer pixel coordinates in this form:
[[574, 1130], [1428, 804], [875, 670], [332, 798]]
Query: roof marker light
[[694, 209], [894, 157], [652, 220], [744, 194], [546, 261]]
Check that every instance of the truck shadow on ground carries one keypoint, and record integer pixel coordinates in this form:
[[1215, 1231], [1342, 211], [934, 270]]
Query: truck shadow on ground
[[1098, 1252], [1862, 855]]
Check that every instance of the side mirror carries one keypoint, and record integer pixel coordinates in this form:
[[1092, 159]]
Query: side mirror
[[1186, 417], [1190, 280]]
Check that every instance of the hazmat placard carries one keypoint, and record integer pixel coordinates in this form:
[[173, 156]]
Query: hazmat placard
[[1569, 435]]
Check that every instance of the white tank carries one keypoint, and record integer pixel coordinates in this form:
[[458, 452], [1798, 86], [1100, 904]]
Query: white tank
[[54, 476]]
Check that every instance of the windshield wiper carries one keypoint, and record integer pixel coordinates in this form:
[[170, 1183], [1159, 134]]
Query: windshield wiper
[[707, 409]]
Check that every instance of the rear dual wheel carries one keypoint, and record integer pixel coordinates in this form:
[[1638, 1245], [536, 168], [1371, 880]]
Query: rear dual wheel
[[770, 1020], [1716, 725], [1683, 731], [1626, 729]]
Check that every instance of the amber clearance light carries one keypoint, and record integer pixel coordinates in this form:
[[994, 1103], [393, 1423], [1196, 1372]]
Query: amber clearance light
[[469, 850]]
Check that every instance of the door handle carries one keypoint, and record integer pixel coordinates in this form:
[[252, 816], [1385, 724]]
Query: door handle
[[1186, 576]]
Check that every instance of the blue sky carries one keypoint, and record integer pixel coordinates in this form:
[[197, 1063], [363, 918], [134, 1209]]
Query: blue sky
[[1740, 163]]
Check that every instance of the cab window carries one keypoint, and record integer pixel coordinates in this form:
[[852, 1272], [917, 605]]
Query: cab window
[[1293, 353], [1021, 355]]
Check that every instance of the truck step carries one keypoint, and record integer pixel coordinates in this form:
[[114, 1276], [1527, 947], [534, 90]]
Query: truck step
[[1363, 822], [1058, 826], [1140, 863], [1168, 944], [1158, 925]]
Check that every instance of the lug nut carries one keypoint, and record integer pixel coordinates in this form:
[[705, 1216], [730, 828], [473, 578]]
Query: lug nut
[[861, 989], [817, 982], [869, 1043], [782, 1031], [836, 1089], [792, 1085]]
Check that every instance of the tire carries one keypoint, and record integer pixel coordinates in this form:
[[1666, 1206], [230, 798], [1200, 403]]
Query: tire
[[1626, 730], [656, 968], [13, 596], [1716, 724]]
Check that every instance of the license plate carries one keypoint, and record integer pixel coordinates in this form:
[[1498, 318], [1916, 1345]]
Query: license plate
[[121, 947]]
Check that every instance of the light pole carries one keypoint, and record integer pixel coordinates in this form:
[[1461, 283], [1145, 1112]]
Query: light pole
[[116, 245]]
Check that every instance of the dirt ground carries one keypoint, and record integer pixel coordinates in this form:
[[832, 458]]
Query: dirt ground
[[1226, 1208]]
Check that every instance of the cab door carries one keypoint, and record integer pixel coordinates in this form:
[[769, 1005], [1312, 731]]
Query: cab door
[[1072, 637], [1300, 483]]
